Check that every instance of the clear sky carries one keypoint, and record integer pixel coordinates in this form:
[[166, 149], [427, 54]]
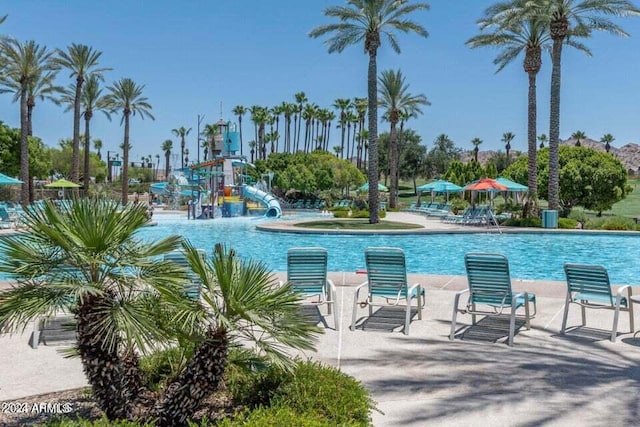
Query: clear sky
[[193, 56]]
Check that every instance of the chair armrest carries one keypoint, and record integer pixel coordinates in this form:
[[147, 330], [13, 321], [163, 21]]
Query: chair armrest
[[514, 297], [331, 285], [357, 292], [621, 290]]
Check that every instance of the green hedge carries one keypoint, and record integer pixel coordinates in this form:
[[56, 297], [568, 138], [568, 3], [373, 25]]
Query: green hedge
[[523, 222], [567, 223]]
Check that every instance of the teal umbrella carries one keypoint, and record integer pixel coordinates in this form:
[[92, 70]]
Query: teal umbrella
[[440, 186], [365, 187], [7, 180], [512, 186]]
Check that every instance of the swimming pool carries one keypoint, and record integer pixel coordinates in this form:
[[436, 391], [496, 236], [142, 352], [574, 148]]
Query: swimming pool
[[531, 255]]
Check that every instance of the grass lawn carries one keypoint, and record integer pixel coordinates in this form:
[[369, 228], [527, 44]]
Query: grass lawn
[[630, 206], [357, 224]]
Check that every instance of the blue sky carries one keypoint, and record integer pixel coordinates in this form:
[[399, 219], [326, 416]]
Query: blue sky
[[194, 55]]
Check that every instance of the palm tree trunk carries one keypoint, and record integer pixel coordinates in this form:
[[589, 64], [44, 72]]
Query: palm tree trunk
[[125, 160], [87, 138], [182, 146], [30, 105], [201, 377], [554, 127], [167, 156], [102, 365], [532, 119], [240, 126], [393, 164], [372, 174], [75, 153], [24, 148]]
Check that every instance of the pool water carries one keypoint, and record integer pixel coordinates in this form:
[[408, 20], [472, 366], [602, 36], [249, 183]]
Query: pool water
[[532, 256]]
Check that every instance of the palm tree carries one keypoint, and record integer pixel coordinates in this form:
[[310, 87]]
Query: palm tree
[[240, 111], [92, 100], [301, 99], [342, 104], [125, 95], [97, 144], [23, 63], [210, 131], [181, 133], [542, 138], [365, 21], [507, 137], [476, 143], [607, 139], [395, 97], [361, 110], [578, 136], [252, 146], [82, 62], [566, 18], [87, 259], [528, 35], [167, 146]]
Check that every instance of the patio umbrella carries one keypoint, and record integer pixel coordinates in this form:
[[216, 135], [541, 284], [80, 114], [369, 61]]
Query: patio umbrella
[[365, 187], [7, 180], [512, 186], [62, 183], [485, 184], [440, 186]]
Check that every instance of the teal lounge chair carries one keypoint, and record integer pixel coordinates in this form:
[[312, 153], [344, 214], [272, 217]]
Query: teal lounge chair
[[490, 286], [387, 283], [307, 273], [589, 287], [192, 290]]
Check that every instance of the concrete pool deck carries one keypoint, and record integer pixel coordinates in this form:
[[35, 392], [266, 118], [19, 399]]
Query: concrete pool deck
[[424, 379]]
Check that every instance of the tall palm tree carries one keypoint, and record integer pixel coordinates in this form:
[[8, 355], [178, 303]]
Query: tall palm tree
[[181, 133], [126, 96], [301, 99], [579, 136], [529, 36], [91, 100], [564, 18], [23, 64], [240, 111], [507, 137], [252, 146], [607, 139], [361, 110], [365, 21], [395, 97], [209, 132], [543, 139], [476, 148], [97, 144], [167, 146], [342, 104], [82, 62]]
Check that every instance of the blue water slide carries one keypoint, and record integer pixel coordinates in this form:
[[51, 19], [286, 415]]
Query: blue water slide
[[274, 210]]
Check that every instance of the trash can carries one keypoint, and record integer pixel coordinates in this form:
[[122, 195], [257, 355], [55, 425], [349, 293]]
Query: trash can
[[549, 219]]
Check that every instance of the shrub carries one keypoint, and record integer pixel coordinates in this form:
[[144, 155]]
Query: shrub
[[341, 213], [523, 222], [618, 223], [458, 205], [164, 365], [102, 422], [326, 392], [567, 223], [275, 416]]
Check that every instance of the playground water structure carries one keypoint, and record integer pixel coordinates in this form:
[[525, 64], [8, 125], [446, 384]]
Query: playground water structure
[[220, 186]]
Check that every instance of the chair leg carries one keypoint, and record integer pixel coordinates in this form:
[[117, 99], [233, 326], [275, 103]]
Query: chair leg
[[355, 309], [526, 311], [335, 312], [512, 323], [630, 308], [614, 331], [407, 319], [567, 301], [584, 315], [420, 303], [473, 316], [453, 317]]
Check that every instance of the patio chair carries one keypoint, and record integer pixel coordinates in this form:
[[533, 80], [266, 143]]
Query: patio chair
[[490, 286], [307, 273], [192, 290], [589, 287], [387, 284]]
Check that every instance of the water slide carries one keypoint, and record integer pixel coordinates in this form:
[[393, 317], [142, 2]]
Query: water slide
[[273, 205]]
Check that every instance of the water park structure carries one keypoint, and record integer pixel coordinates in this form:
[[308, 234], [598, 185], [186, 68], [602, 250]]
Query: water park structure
[[220, 186]]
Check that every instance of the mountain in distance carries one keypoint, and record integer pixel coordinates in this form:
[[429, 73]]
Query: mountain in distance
[[628, 154]]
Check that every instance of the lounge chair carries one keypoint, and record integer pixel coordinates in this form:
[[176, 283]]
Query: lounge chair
[[192, 290], [307, 273], [490, 286], [589, 287], [387, 281]]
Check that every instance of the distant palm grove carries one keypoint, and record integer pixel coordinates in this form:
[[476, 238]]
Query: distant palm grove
[[516, 29]]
